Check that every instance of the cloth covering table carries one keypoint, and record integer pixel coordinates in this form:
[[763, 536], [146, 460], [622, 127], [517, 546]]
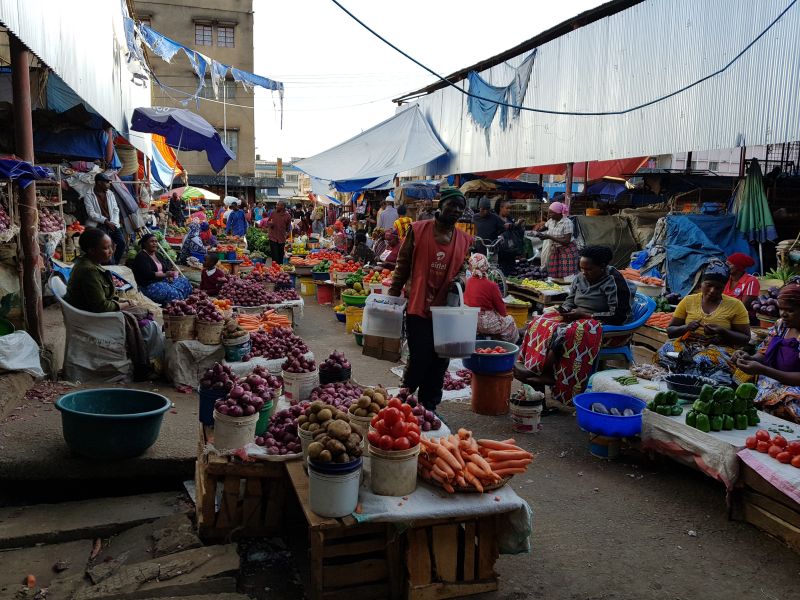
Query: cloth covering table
[[646, 390], [784, 478]]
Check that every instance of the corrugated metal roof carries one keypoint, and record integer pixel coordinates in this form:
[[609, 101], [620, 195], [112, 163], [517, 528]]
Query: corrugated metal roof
[[631, 57]]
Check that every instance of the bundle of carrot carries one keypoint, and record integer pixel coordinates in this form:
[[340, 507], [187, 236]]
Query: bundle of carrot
[[460, 461], [268, 320], [634, 275], [660, 320]]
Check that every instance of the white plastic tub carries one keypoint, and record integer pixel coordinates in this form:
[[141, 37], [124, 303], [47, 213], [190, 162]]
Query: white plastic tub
[[393, 473], [297, 386], [333, 488], [383, 316], [306, 437], [455, 329], [231, 433]]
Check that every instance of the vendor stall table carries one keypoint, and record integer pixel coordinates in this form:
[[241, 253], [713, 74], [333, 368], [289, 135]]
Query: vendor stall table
[[543, 298]]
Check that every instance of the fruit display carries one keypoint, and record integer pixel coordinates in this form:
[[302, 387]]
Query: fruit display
[[50, 220], [495, 350], [356, 290], [336, 363], [723, 409], [357, 328], [281, 296], [281, 435], [244, 292], [218, 378], [665, 403], [394, 427], [375, 276], [221, 304], [427, 419], [275, 344], [778, 447], [345, 267], [340, 308], [340, 395], [370, 403], [516, 302], [460, 462], [767, 304], [535, 284], [179, 308], [328, 255], [297, 363]]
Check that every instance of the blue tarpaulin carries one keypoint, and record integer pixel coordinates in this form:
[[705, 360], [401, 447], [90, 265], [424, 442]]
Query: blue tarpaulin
[[692, 240], [88, 144], [23, 172]]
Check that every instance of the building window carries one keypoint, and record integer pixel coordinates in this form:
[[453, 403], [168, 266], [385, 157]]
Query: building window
[[290, 177], [203, 34], [230, 90], [232, 139], [225, 36], [713, 166]]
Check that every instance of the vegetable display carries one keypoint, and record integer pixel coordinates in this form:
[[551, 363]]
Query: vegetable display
[[648, 371], [339, 395], [218, 378], [495, 350], [243, 400], [660, 320], [281, 435], [336, 363], [723, 409], [602, 409], [535, 284], [666, 403], [268, 320], [626, 380], [369, 403], [207, 312], [357, 289], [281, 296], [526, 270], [179, 308], [767, 304], [297, 363], [231, 330], [454, 383], [5, 220], [50, 221], [334, 439], [460, 462], [275, 344], [394, 427], [427, 419], [777, 447], [244, 292], [257, 240]]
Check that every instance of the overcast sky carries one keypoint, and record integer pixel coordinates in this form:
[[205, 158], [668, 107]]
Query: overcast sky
[[340, 79]]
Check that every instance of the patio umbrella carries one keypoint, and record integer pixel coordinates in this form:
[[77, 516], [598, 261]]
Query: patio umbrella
[[606, 189], [183, 130], [190, 192], [753, 217]]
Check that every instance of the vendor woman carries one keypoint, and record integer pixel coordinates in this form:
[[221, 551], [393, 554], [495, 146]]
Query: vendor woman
[[481, 292], [559, 252], [777, 363], [741, 285], [706, 328], [158, 284]]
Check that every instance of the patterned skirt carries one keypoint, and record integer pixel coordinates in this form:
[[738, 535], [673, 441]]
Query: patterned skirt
[[778, 399], [162, 292], [491, 323], [563, 260]]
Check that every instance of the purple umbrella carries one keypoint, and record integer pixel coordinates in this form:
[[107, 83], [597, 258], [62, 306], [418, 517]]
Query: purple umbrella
[[183, 130]]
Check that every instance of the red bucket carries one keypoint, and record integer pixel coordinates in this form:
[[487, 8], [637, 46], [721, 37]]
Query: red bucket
[[490, 392], [324, 293]]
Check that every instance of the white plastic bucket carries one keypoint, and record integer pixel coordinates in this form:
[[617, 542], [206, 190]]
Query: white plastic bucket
[[231, 433], [455, 329], [525, 416], [393, 473], [383, 316], [306, 437], [297, 386], [331, 493]]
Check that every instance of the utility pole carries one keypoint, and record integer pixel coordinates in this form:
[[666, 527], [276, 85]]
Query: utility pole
[[568, 191]]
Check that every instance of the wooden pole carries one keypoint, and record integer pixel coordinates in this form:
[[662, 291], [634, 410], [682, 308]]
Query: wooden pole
[[586, 180], [568, 191], [28, 213]]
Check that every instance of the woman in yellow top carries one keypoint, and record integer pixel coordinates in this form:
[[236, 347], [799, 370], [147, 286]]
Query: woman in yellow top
[[706, 328]]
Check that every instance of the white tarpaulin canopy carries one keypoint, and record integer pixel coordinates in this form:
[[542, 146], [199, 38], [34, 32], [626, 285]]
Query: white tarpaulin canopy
[[398, 144]]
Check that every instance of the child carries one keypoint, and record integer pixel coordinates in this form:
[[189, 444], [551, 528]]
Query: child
[[361, 251], [212, 278]]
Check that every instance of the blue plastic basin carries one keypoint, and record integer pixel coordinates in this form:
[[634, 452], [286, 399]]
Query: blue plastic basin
[[609, 425], [111, 423], [492, 363]]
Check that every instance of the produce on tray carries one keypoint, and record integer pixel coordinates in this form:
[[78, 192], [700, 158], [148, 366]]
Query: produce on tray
[[218, 378], [648, 371], [50, 221], [340, 395], [322, 267], [281, 435], [222, 304], [465, 374], [369, 403], [666, 403], [257, 240], [511, 301], [777, 447], [244, 292], [329, 255], [274, 344], [767, 304], [495, 350], [394, 427], [460, 462], [453, 384], [723, 409], [281, 296], [335, 363], [297, 363], [345, 267], [428, 421], [334, 439], [535, 284], [602, 409], [526, 270], [626, 380], [660, 320]]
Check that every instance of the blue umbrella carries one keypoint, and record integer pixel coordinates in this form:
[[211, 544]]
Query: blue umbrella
[[607, 189], [183, 130]]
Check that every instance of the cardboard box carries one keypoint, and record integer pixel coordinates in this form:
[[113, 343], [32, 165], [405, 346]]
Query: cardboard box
[[382, 348]]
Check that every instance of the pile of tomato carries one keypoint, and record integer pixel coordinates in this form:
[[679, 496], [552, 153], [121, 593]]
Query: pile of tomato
[[777, 447], [345, 267], [331, 255], [394, 427], [495, 350]]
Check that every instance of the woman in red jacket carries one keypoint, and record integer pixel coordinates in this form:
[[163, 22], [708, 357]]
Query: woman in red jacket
[[483, 293]]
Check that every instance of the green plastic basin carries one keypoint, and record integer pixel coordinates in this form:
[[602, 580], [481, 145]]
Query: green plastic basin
[[111, 423]]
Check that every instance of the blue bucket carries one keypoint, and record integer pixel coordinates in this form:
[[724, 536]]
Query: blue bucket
[[207, 400], [235, 352], [609, 425], [492, 363], [230, 255], [332, 468]]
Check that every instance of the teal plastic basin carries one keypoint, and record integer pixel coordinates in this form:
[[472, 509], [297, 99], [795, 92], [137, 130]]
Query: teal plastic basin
[[111, 423]]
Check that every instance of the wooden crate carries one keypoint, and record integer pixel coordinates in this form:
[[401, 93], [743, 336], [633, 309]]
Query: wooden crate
[[253, 495], [382, 348], [349, 560]]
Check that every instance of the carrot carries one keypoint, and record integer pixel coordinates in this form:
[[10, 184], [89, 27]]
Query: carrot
[[464, 434], [457, 453], [437, 471], [473, 480], [511, 441], [499, 455], [481, 462], [426, 473], [442, 465], [504, 472], [497, 445], [510, 464], [475, 470], [448, 488], [447, 456], [461, 481]]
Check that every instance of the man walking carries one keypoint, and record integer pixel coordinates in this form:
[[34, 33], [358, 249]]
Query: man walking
[[237, 223], [103, 213], [389, 215], [433, 257], [279, 226], [488, 225]]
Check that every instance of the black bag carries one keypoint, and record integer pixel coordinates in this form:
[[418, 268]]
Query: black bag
[[512, 242]]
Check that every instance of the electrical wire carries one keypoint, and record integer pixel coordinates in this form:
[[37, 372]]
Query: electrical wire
[[572, 113]]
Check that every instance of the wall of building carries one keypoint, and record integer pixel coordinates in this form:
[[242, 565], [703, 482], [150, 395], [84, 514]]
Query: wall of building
[[178, 21]]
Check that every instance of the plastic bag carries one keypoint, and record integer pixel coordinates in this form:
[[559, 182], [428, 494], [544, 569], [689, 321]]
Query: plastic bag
[[19, 352]]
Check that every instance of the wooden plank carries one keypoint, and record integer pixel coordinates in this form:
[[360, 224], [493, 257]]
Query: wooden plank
[[299, 481], [773, 525], [264, 469], [487, 547], [469, 550], [776, 508], [445, 551], [749, 478], [439, 591], [275, 490], [317, 582], [251, 505], [230, 513], [376, 529], [378, 591], [418, 557], [396, 573], [354, 548], [363, 571]]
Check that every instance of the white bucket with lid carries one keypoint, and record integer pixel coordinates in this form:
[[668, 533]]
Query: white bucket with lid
[[526, 415], [393, 473], [455, 329]]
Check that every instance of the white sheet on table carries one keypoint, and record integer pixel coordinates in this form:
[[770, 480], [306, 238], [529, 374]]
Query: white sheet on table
[[646, 390], [785, 478]]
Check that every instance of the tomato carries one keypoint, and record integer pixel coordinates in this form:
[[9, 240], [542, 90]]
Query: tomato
[[391, 415], [796, 461], [762, 446], [395, 403], [398, 429], [779, 440], [385, 443], [784, 457], [413, 438], [380, 427], [413, 427], [751, 442], [762, 435], [774, 451], [374, 421], [374, 438], [406, 408], [793, 448], [401, 443]]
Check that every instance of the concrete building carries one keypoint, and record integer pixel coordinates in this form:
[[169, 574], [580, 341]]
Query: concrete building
[[222, 30], [296, 184]]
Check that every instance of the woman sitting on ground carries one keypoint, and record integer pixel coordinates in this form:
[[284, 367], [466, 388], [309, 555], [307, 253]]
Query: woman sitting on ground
[[481, 292], [207, 235], [560, 347], [154, 282], [777, 363], [706, 328], [91, 289]]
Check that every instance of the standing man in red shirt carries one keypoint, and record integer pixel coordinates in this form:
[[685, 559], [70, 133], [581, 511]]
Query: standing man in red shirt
[[279, 225], [433, 257]]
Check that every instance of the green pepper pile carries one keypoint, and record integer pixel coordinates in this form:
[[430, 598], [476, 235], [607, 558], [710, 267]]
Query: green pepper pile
[[666, 403], [722, 409], [257, 240], [353, 278], [323, 267]]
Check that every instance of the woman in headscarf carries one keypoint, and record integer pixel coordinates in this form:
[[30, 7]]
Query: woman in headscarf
[[559, 252], [776, 365], [339, 237], [207, 235], [741, 285], [154, 281], [707, 328], [483, 293], [392, 250], [192, 243]]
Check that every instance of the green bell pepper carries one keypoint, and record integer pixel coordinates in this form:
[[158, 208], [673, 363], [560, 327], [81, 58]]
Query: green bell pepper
[[740, 421], [753, 419], [652, 405], [677, 410], [660, 398], [716, 423], [703, 424], [727, 422], [739, 405], [722, 394], [716, 408], [663, 409], [691, 418], [702, 406], [672, 397], [747, 391], [706, 393]]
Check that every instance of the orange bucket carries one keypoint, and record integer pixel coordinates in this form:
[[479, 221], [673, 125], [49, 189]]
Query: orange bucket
[[490, 392]]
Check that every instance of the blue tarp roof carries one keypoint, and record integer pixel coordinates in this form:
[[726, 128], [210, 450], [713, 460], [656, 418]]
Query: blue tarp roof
[[89, 144]]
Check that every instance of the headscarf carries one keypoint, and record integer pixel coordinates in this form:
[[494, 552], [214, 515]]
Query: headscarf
[[790, 293], [192, 242], [741, 261], [559, 208], [478, 265], [204, 226], [391, 237], [716, 270]]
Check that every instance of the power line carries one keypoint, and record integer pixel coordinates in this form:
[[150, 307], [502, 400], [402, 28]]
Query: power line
[[571, 113]]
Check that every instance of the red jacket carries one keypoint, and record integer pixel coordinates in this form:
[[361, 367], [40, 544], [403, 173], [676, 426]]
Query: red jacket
[[483, 293]]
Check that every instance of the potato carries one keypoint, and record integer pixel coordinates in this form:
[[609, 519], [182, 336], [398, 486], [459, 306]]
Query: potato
[[325, 414], [343, 458], [314, 449], [312, 427], [335, 446], [312, 418], [368, 393], [317, 406], [356, 451], [325, 456], [364, 402], [379, 399], [361, 412], [374, 408], [340, 430], [302, 419], [305, 426]]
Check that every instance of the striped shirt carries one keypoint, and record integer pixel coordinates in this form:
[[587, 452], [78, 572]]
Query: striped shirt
[[610, 300]]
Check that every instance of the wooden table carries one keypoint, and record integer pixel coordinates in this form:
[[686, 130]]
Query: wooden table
[[538, 297], [646, 342]]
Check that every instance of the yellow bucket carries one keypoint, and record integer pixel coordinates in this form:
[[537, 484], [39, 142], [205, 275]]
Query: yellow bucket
[[308, 287], [352, 315], [519, 312]]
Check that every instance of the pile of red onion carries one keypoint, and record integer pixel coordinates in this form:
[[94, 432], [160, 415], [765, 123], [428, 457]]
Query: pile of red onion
[[297, 363], [219, 377], [179, 308], [244, 292], [281, 296], [50, 221], [281, 436], [278, 343], [340, 395]]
